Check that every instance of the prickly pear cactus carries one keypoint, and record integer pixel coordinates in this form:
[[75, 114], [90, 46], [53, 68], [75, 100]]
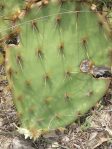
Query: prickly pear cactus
[[9, 13], [53, 59]]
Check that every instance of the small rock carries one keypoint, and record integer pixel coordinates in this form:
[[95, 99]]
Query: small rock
[[20, 144]]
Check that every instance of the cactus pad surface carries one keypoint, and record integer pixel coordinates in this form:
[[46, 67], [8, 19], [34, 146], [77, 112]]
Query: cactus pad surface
[[43, 63]]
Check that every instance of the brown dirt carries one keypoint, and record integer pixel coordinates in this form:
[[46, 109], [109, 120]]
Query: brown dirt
[[92, 131]]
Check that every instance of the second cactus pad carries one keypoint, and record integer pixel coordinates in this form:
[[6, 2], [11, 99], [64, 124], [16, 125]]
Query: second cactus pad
[[49, 89]]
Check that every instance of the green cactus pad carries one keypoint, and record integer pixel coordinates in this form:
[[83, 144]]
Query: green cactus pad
[[43, 71], [9, 11]]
